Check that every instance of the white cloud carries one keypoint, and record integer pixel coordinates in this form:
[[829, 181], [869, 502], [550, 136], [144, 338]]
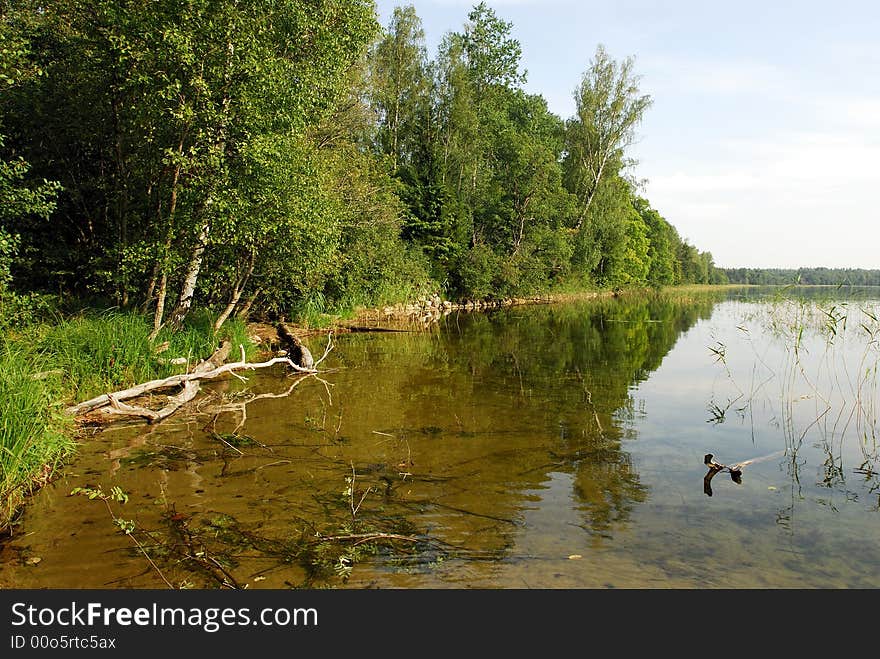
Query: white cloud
[[859, 114], [811, 158]]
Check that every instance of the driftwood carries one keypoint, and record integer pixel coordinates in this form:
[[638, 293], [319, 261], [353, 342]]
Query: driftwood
[[190, 389], [296, 351], [213, 367]]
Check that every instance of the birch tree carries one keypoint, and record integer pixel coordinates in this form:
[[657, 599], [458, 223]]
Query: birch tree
[[399, 84], [609, 107]]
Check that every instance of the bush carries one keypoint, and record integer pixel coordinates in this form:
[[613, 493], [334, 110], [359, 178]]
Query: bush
[[475, 273]]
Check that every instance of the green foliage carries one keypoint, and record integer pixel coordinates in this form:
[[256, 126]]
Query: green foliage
[[8, 247], [115, 494], [551, 249], [493, 55], [100, 350], [18, 199], [297, 160], [18, 311], [188, 103], [399, 86], [614, 249], [634, 259], [284, 213], [34, 434], [236, 332], [609, 108], [661, 254], [195, 339], [694, 268], [371, 258], [475, 272]]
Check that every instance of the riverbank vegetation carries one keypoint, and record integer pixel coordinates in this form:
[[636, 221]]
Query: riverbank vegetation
[[804, 276], [299, 157]]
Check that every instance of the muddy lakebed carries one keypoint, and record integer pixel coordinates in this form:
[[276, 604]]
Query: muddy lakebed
[[545, 446]]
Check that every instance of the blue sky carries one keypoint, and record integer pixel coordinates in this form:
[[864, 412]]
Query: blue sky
[[762, 145]]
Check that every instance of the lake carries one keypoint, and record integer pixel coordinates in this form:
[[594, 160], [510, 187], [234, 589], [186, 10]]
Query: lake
[[544, 446]]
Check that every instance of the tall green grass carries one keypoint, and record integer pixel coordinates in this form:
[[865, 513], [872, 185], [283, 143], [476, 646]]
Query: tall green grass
[[96, 351], [34, 433]]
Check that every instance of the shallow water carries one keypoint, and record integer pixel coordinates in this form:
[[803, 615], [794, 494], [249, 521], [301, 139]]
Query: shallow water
[[553, 446]]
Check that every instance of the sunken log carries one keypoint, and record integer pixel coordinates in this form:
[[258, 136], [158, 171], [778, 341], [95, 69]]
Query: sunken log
[[298, 353]]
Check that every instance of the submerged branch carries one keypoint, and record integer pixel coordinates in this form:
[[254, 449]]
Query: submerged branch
[[360, 538]]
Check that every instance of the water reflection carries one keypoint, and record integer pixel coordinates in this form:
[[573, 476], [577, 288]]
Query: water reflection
[[564, 371], [546, 446]]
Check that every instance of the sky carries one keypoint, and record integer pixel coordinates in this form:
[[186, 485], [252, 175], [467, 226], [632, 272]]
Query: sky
[[762, 143]]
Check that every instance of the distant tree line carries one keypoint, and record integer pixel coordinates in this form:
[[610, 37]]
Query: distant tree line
[[287, 156], [804, 276]]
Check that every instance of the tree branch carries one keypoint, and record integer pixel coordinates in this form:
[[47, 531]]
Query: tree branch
[[209, 369]]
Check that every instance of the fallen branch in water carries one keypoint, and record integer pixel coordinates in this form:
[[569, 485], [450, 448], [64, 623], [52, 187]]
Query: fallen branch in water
[[213, 367], [734, 470], [125, 526]]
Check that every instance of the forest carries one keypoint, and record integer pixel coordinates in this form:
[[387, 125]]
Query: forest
[[286, 157], [804, 276]]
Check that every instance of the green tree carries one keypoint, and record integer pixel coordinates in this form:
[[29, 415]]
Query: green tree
[[613, 242], [608, 108], [525, 208], [20, 197], [457, 151], [493, 55], [165, 103], [404, 93], [693, 267], [399, 85], [661, 253]]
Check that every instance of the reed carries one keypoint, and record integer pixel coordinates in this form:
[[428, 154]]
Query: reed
[[99, 351], [823, 347], [34, 433]]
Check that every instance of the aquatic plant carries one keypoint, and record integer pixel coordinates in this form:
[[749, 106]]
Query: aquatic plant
[[827, 351]]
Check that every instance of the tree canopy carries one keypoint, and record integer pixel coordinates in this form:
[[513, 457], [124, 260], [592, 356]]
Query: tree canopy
[[290, 156]]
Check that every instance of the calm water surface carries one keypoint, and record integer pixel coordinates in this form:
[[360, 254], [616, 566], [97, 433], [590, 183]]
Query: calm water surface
[[556, 446]]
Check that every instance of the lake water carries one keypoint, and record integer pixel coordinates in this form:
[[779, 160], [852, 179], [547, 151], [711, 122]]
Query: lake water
[[547, 446]]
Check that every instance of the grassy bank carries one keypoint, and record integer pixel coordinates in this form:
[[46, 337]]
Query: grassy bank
[[34, 434], [44, 368]]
